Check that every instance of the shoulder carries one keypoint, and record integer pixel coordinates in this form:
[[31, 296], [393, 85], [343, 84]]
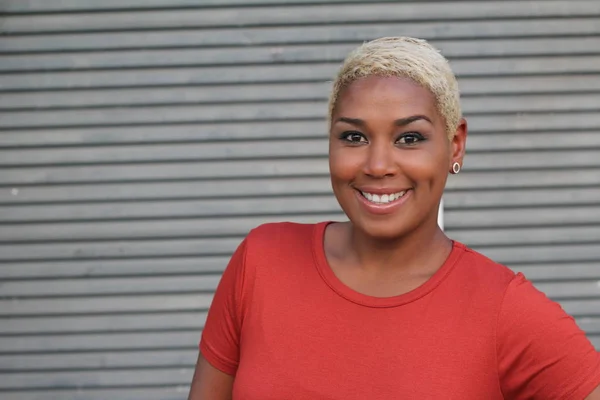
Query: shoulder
[[282, 234], [541, 351], [518, 297], [270, 230], [483, 272], [527, 307], [479, 282], [282, 243], [277, 254]]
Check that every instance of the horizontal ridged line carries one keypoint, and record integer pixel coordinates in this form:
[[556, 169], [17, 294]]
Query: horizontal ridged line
[[114, 258], [333, 62], [484, 247], [295, 43], [85, 276], [192, 329], [287, 195], [273, 82], [149, 66], [449, 228], [264, 24], [264, 101], [139, 367], [212, 6], [82, 389], [531, 206], [92, 295], [94, 313], [290, 214], [155, 199]]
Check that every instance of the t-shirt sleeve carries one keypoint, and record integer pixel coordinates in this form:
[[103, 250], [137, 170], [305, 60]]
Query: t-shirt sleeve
[[542, 353], [220, 340]]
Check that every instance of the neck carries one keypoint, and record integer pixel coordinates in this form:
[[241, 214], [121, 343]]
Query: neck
[[421, 252]]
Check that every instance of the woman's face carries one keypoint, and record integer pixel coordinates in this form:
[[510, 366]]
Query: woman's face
[[389, 155]]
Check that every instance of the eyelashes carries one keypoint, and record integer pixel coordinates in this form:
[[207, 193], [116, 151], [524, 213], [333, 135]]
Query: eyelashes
[[410, 138], [353, 137], [406, 139]]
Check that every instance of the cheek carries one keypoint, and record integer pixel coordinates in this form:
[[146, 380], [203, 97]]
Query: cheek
[[424, 166], [438, 170], [343, 165]]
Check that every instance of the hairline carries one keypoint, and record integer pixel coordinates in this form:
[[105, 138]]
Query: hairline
[[403, 58]]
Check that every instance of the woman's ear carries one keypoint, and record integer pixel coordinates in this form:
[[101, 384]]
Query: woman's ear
[[458, 146]]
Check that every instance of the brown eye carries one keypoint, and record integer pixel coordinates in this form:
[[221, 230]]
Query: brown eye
[[410, 138], [353, 137]]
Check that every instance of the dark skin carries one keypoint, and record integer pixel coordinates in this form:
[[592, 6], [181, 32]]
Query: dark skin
[[377, 142], [387, 135], [209, 383]]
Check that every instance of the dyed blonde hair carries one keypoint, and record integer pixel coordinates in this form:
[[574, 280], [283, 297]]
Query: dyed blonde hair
[[404, 57]]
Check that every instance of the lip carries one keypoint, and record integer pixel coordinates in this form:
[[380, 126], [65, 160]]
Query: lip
[[381, 209], [374, 190]]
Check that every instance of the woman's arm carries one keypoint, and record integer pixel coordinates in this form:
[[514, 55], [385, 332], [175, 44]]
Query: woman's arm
[[595, 395], [221, 335], [211, 384]]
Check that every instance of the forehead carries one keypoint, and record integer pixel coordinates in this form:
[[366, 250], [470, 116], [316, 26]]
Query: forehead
[[386, 96]]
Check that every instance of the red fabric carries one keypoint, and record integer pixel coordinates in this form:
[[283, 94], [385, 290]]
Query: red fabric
[[287, 328]]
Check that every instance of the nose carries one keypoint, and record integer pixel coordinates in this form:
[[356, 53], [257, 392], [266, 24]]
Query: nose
[[380, 160]]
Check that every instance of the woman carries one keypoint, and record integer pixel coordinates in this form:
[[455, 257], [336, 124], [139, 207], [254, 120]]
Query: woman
[[385, 306]]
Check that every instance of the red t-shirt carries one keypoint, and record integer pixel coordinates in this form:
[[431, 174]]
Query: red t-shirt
[[287, 328]]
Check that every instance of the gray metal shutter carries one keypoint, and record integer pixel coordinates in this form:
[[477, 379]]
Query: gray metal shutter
[[141, 139]]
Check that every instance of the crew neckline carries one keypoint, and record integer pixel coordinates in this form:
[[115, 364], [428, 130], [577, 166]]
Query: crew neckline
[[352, 295]]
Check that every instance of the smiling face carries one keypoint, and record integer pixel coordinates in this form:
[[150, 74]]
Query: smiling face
[[389, 155]]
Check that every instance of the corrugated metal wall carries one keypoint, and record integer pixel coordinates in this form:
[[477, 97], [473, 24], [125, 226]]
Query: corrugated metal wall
[[141, 139]]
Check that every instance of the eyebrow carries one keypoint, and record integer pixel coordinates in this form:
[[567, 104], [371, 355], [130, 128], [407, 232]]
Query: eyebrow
[[398, 122]]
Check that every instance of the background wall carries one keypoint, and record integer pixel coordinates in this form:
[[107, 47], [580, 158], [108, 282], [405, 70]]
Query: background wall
[[141, 139]]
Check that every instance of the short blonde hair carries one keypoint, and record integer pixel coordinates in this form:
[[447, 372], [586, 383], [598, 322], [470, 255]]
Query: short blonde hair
[[404, 57]]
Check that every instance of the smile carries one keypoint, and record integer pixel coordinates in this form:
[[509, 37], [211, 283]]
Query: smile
[[383, 198]]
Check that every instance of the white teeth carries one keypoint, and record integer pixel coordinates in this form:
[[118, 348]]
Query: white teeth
[[383, 199]]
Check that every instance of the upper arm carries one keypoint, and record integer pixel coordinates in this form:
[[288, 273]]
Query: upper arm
[[595, 395], [219, 347], [542, 353], [220, 342], [209, 383]]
